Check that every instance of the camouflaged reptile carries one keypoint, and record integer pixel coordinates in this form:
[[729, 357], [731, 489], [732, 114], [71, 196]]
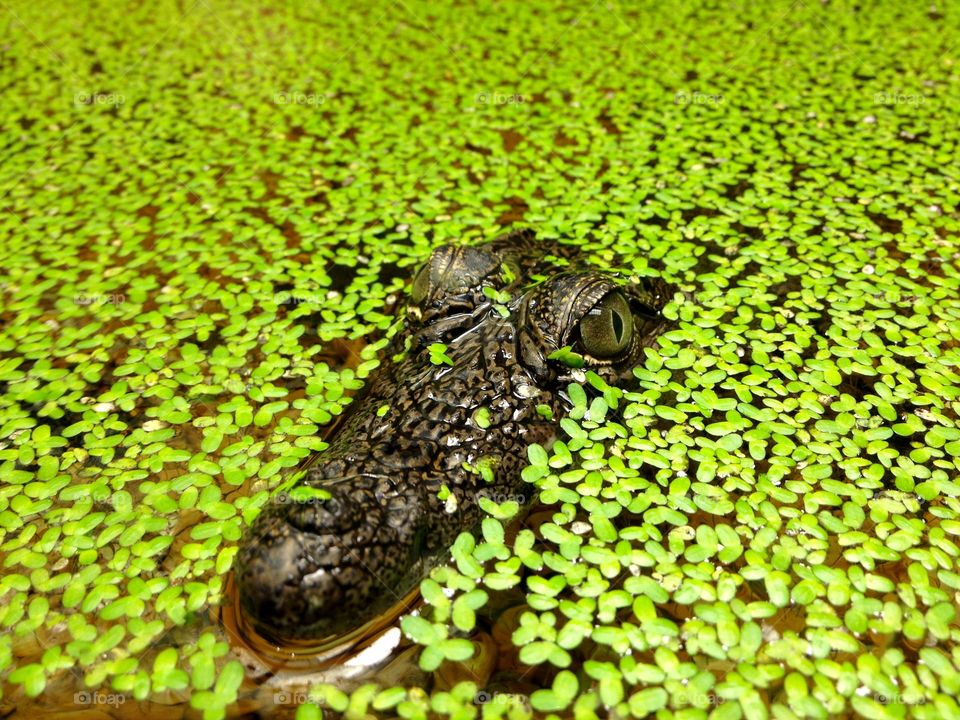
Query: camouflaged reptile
[[402, 472]]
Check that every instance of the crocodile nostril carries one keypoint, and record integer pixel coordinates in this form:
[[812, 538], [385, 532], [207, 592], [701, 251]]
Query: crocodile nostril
[[288, 582], [269, 581]]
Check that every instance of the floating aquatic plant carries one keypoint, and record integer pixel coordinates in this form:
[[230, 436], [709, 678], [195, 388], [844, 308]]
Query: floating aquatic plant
[[210, 212]]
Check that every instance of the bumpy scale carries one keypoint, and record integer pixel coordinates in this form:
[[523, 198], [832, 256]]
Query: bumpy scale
[[315, 569]]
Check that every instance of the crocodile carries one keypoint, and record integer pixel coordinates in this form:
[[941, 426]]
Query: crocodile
[[492, 336]]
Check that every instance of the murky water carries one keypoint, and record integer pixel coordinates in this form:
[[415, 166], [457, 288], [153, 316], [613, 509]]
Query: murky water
[[279, 677]]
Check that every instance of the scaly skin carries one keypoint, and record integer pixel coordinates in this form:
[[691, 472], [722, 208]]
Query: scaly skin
[[311, 570]]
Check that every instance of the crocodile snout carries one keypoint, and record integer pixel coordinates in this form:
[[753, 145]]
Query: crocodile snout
[[319, 567]]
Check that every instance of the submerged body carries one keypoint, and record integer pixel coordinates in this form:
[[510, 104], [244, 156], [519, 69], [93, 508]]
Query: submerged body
[[402, 479]]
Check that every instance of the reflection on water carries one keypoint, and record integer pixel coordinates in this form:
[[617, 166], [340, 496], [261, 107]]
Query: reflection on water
[[347, 659]]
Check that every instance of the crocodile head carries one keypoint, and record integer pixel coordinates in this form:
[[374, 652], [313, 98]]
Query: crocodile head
[[438, 428]]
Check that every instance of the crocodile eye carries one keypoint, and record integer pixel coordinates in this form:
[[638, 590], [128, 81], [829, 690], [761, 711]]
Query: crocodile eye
[[421, 284], [607, 329]]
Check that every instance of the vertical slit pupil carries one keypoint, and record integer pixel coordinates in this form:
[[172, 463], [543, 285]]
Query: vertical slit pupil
[[617, 326]]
